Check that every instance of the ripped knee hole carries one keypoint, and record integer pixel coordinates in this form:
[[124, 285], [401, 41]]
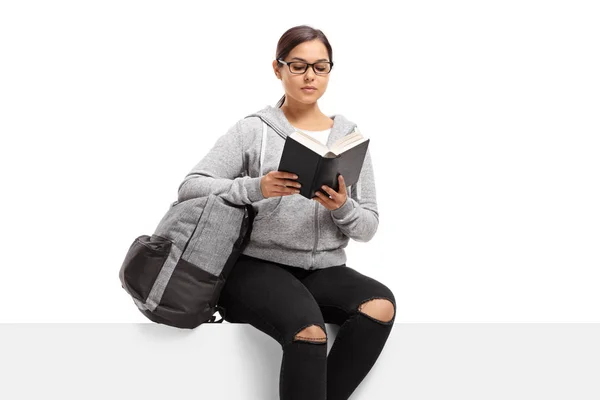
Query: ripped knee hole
[[380, 309], [313, 333]]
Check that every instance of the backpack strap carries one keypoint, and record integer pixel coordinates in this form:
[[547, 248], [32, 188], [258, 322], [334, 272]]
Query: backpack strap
[[251, 216]]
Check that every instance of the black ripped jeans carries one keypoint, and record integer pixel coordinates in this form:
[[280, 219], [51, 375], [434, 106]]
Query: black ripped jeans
[[282, 300]]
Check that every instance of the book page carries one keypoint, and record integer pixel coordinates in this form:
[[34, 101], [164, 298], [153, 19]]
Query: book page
[[343, 144], [310, 142], [347, 139], [347, 142]]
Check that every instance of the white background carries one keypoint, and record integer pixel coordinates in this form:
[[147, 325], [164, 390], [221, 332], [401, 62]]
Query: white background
[[484, 119]]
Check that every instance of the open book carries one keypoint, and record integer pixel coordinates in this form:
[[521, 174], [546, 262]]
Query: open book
[[317, 165]]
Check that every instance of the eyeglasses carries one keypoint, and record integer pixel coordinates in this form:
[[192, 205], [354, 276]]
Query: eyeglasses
[[320, 68]]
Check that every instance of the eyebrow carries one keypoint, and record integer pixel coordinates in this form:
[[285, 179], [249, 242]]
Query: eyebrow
[[302, 59]]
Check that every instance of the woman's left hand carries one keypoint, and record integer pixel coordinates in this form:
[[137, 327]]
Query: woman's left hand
[[335, 199]]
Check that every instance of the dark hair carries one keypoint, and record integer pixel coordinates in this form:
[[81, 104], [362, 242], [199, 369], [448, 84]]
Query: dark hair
[[292, 38]]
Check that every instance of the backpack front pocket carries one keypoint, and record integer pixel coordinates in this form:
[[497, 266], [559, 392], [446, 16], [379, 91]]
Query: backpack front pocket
[[143, 262]]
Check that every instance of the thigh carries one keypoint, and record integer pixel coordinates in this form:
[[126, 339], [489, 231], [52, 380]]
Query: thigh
[[270, 298], [340, 290]]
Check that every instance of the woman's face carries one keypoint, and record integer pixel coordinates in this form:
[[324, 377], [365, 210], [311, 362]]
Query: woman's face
[[309, 52]]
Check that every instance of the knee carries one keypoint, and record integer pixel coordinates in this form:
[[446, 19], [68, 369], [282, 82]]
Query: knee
[[381, 309], [312, 333]]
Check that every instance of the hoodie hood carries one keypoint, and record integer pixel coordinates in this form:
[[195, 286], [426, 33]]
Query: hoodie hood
[[276, 119]]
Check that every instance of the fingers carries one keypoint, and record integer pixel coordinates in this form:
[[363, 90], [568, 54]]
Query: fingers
[[292, 184], [287, 185], [342, 183], [341, 189], [283, 189], [284, 175], [286, 191], [280, 183], [332, 193], [286, 180], [321, 196], [332, 200]]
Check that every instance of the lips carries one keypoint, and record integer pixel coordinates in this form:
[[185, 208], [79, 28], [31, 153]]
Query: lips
[[309, 87]]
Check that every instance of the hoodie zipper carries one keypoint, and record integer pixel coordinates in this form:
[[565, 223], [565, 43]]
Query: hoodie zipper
[[312, 259]]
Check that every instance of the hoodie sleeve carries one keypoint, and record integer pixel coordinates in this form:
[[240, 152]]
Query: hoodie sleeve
[[358, 217], [219, 173]]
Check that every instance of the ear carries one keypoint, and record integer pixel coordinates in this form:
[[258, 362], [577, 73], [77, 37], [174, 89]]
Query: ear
[[276, 70]]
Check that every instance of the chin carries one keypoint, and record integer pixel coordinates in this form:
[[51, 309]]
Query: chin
[[309, 98], [306, 100]]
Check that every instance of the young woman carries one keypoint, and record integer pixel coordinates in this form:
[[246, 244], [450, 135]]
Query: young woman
[[291, 278]]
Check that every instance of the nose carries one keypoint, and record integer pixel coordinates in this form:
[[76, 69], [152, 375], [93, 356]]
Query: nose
[[309, 74]]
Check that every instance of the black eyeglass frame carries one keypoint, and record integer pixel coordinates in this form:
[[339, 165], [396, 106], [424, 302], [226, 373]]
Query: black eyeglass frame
[[306, 65]]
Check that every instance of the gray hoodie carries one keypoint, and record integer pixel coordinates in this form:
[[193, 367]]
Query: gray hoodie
[[292, 229]]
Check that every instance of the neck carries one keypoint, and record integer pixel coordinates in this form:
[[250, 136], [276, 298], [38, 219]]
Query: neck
[[296, 111]]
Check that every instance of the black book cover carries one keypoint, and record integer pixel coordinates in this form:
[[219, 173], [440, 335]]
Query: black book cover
[[314, 170]]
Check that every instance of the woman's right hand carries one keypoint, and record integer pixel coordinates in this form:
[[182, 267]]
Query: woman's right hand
[[279, 183]]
